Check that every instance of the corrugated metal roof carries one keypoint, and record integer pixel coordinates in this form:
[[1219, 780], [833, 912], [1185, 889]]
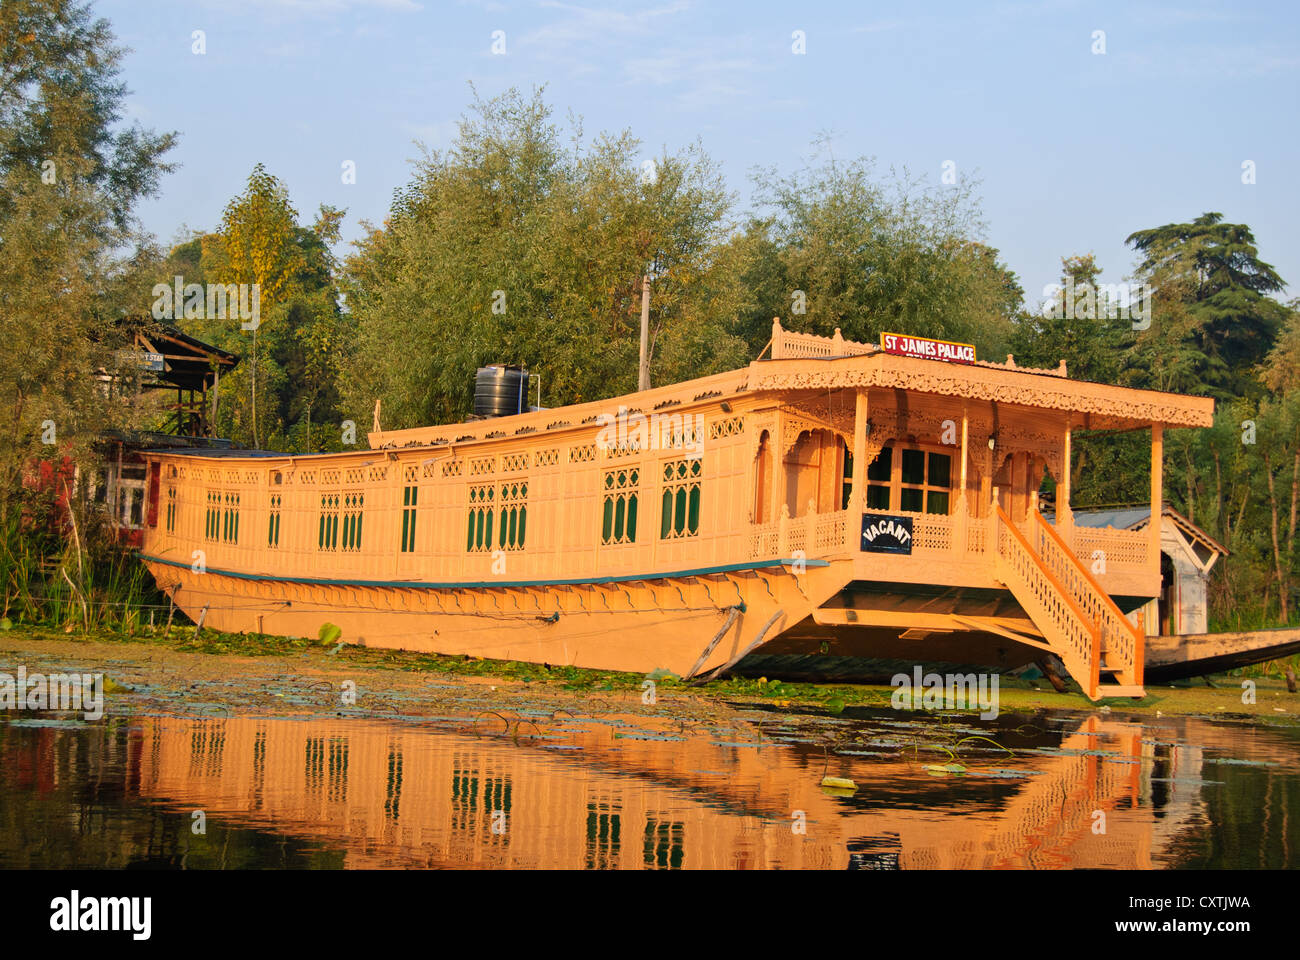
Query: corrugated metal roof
[[1121, 519]]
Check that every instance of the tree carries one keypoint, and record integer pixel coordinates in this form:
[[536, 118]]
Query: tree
[[70, 176], [1211, 272], [1078, 325], [284, 391], [512, 247], [257, 241], [869, 254]]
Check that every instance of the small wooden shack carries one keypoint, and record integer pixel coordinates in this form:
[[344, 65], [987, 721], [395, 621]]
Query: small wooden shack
[[166, 359]]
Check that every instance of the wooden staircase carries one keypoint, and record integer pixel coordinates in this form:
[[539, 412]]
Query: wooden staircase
[[1078, 619]]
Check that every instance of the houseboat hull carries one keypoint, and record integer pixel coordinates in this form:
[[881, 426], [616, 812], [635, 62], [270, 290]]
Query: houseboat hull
[[753, 619], [690, 623]]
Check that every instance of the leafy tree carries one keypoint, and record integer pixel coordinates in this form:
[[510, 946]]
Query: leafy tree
[[257, 247], [285, 390], [511, 247], [70, 176], [839, 247], [1079, 325], [1212, 271]]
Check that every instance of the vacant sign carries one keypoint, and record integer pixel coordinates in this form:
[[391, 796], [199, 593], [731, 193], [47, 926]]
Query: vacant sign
[[886, 534]]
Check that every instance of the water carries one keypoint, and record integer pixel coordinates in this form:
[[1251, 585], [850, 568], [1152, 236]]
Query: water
[[631, 791]]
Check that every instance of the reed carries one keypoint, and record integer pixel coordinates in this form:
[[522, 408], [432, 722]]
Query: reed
[[71, 574]]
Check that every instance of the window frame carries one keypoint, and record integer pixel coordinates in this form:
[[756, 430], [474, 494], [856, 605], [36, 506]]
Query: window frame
[[897, 486]]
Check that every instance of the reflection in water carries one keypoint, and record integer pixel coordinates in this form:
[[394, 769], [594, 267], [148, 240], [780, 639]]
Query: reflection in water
[[645, 793]]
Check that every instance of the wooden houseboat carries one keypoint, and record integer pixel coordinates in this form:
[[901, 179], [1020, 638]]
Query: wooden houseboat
[[840, 500]]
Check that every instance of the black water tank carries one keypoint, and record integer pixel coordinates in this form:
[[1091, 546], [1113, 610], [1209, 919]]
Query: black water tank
[[500, 390]]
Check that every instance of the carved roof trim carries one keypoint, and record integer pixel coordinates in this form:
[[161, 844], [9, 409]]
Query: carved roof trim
[[1107, 406]]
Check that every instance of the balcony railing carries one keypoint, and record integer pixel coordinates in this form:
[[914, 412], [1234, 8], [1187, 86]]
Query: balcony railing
[[936, 536]]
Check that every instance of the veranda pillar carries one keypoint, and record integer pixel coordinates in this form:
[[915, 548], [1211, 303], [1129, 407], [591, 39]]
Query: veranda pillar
[[1157, 492]]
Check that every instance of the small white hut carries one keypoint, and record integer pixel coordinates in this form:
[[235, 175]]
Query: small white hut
[[1188, 555]]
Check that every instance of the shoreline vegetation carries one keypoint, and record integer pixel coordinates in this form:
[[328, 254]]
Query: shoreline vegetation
[[132, 662]]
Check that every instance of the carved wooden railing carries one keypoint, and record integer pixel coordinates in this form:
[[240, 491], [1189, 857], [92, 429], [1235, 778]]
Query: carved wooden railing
[[786, 345], [1121, 641], [815, 535], [1122, 549], [1049, 603]]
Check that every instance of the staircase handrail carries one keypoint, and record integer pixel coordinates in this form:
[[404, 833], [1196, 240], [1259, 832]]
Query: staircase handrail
[[1111, 619]]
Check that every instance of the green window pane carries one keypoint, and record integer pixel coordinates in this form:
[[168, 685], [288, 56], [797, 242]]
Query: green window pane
[[940, 470], [523, 522], [936, 501], [361, 518], [620, 515], [911, 501], [631, 518], [487, 535], [693, 516], [679, 512], [406, 527], [469, 537], [882, 466], [666, 514], [913, 466], [607, 521]]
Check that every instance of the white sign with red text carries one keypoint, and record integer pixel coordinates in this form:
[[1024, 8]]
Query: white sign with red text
[[946, 350]]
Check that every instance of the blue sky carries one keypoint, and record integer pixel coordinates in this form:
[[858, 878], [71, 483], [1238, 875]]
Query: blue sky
[[1075, 149]]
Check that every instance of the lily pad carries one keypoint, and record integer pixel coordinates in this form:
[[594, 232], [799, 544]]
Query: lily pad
[[944, 769]]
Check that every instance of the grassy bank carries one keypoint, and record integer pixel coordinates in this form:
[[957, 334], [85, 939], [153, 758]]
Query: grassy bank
[[1224, 699]]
